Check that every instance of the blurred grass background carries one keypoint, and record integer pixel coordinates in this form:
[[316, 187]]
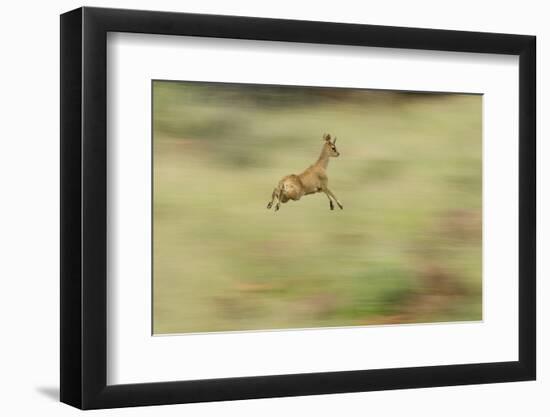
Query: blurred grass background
[[405, 249]]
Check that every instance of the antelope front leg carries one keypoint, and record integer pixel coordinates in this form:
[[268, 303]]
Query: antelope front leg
[[330, 201], [331, 194]]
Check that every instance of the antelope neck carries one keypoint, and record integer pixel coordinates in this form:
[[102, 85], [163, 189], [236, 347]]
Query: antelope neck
[[323, 158]]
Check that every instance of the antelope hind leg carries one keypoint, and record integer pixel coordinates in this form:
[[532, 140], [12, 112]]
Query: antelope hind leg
[[279, 198], [273, 196]]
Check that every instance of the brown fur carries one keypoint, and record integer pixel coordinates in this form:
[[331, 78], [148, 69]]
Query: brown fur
[[313, 180]]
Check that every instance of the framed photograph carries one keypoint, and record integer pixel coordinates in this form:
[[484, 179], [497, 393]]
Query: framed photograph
[[260, 208]]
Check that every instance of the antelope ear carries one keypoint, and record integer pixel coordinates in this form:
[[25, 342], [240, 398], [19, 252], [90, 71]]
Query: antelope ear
[[326, 137]]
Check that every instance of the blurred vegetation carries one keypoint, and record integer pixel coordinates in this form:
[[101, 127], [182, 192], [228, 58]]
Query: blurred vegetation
[[406, 248]]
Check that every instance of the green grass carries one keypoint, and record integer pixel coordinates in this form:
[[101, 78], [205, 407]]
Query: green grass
[[406, 248]]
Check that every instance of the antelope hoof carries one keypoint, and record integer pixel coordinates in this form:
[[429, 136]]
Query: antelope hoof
[[269, 205], [331, 205], [277, 207], [341, 206]]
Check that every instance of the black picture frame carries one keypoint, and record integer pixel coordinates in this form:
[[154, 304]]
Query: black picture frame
[[84, 207]]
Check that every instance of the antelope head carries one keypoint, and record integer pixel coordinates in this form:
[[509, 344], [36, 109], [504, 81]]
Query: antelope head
[[330, 145]]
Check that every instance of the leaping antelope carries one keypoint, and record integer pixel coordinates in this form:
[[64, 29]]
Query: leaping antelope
[[313, 180]]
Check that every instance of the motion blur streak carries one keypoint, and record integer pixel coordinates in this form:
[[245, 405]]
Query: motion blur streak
[[406, 248]]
